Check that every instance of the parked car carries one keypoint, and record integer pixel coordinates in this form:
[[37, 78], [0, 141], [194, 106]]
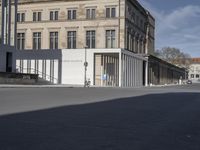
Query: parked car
[[189, 82]]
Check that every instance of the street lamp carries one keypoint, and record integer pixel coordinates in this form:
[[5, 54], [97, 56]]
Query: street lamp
[[85, 66]]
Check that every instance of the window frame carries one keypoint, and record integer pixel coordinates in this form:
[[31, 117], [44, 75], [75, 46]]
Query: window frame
[[37, 38], [21, 40], [53, 39], [71, 39], [71, 14], [110, 38], [91, 39], [37, 16]]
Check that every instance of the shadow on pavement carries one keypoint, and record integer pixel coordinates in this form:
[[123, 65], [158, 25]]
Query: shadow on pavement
[[151, 122]]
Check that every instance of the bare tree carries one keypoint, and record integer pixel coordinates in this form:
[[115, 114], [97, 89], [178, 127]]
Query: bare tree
[[174, 56]]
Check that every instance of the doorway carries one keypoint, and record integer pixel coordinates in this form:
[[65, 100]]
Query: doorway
[[9, 62]]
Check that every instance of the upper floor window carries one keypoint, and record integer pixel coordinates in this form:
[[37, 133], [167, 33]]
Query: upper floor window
[[71, 14], [90, 13], [110, 38], [37, 40], [90, 39], [141, 24], [137, 20], [53, 15], [20, 40], [53, 40], [20, 17], [110, 12], [37, 16]]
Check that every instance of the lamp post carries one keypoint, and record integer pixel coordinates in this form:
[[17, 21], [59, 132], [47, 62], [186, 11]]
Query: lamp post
[[85, 67]]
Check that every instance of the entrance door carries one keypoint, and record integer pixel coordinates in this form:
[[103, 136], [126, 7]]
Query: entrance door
[[8, 62]]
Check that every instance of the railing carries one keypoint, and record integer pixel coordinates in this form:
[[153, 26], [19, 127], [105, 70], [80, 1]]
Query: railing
[[42, 75]]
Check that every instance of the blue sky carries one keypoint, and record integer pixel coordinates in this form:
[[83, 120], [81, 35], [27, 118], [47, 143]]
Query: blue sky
[[177, 24]]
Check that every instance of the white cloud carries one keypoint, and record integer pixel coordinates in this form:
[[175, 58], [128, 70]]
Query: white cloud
[[179, 28]]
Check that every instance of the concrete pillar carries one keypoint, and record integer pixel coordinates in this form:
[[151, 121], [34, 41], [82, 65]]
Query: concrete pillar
[[15, 26], [120, 69], [2, 21], [9, 22], [146, 73]]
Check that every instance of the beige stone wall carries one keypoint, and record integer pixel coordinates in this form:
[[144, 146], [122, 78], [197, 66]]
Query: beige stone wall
[[124, 9], [81, 25]]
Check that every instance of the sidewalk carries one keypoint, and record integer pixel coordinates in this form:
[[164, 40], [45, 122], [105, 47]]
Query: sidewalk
[[39, 86]]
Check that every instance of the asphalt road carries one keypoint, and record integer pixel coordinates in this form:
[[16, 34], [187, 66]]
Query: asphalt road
[[158, 118]]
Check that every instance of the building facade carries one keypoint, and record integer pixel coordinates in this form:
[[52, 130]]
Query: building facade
[[8, 26], [111, 37], [161, 72], [194, 70], [74, 24]]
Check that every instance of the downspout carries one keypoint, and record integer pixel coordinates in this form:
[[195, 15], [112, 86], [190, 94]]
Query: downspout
[[119, 21], [15, 28]]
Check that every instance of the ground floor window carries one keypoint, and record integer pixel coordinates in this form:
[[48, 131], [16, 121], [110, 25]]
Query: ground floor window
[[53, 40], [90, 39], [71, 39], [20, 40], [110, 38]]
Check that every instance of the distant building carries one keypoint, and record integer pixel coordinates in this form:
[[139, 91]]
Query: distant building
[[56, 38], [8, 11], [194, 71]]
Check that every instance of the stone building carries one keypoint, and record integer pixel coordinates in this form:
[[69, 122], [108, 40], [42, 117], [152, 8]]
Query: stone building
[[194, 70], [125, 26], [111, 37]]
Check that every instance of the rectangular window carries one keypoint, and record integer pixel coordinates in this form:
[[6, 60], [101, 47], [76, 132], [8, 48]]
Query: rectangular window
[[90, 13], [20, 41], [90, 39], [71, 39], [53, 15], [71, 14], [37, 16], [20, 17], [137, 20], [113, 12], [110, 12], [110, 38], [53, 40], [37, 40]]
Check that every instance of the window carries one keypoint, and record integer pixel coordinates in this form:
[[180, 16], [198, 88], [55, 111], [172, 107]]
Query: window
[[20, 40], [53, 44], [110, 38], [137, 20], [141, 24], [197, 75], [71, 39], [192, 75], [110, 12], [53, 15], [90, 39], [90, 13], [37, 16], [71, 14], [20, 17], [37, 40]]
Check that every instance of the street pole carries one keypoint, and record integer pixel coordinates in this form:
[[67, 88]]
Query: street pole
[[85, 67]]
